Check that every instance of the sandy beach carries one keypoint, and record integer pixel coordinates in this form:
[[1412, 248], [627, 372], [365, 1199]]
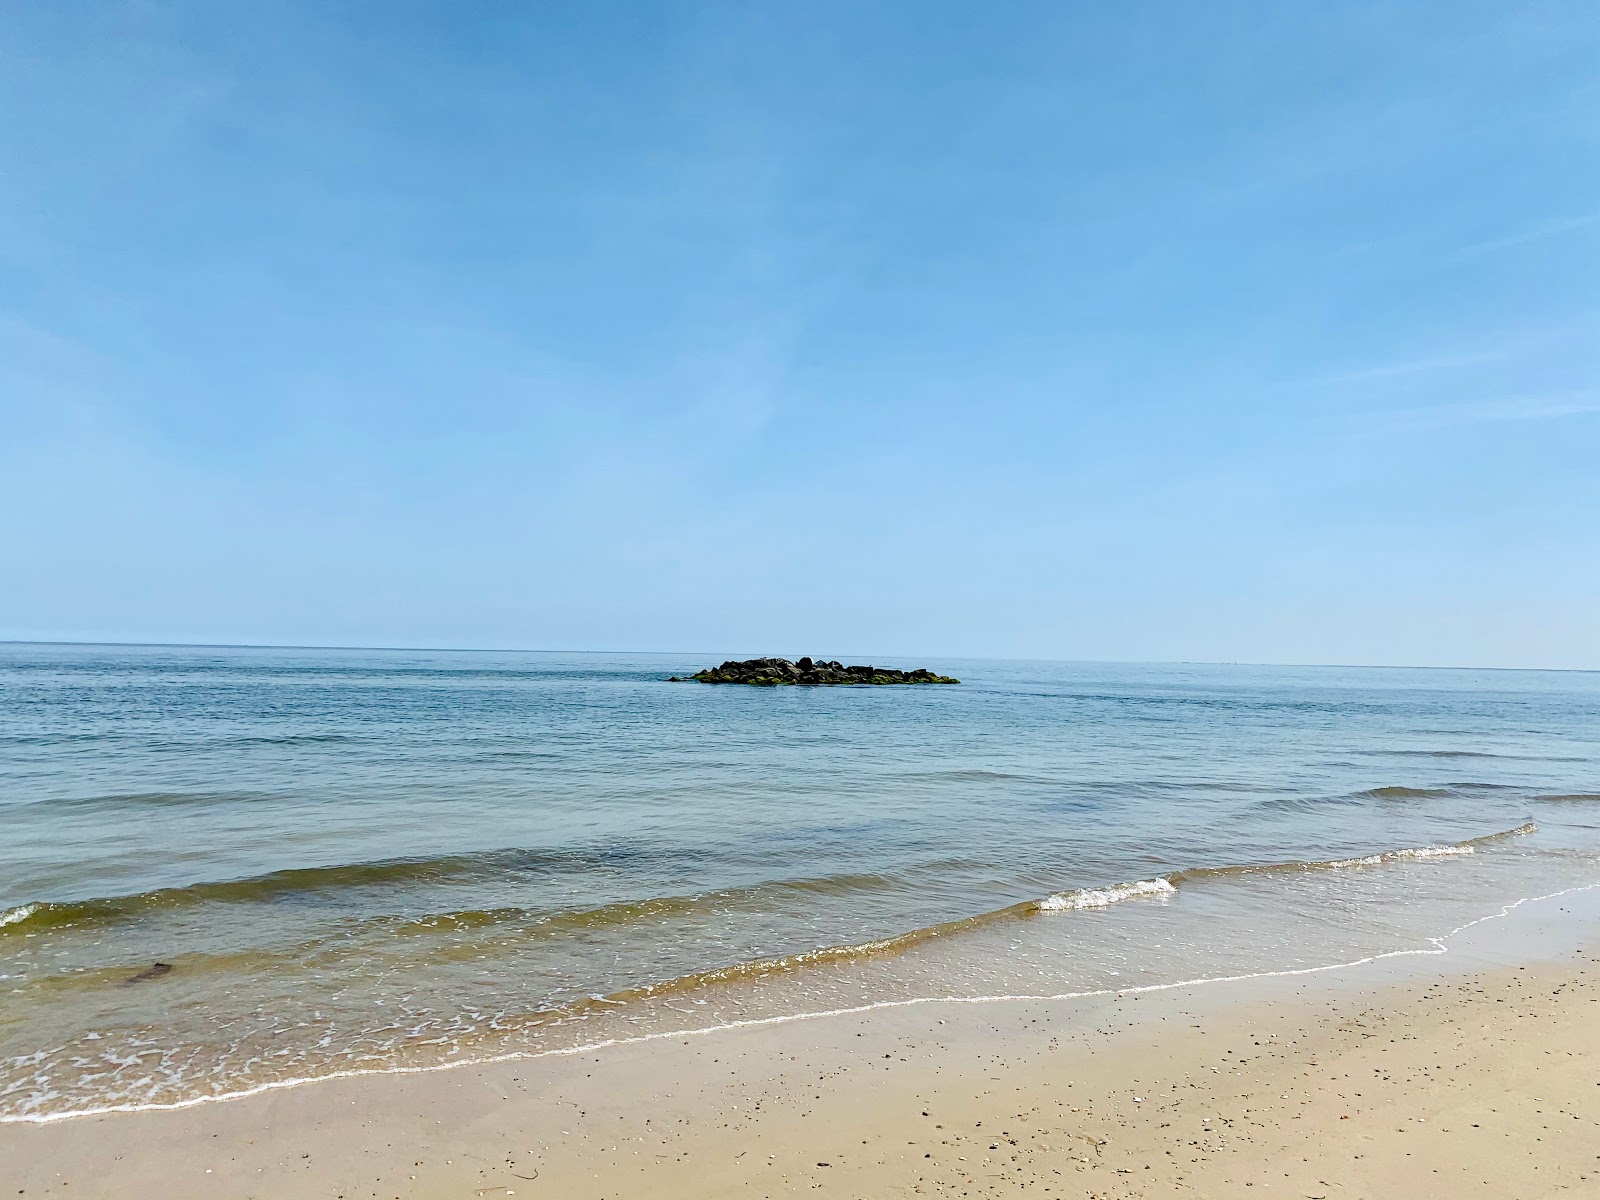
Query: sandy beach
[[1467, 1074]]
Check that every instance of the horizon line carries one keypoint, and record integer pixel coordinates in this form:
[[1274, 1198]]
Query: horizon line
[[1144, 662]]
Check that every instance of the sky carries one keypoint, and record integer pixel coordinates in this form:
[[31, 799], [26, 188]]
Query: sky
[[1139, 331]]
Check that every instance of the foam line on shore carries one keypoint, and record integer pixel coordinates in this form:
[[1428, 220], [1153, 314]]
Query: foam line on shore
[[1436, 945]]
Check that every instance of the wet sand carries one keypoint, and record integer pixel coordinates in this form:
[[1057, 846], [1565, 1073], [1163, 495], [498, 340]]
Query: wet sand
[[1470, 1074]]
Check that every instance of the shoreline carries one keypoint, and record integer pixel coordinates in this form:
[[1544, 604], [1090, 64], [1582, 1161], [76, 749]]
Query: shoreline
[[1433, 945], [712, 1098]]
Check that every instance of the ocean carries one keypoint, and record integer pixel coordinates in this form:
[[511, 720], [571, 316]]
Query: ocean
[[225, 869]]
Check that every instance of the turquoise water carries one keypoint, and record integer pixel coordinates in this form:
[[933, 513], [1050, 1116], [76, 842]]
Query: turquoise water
[[358, 859]]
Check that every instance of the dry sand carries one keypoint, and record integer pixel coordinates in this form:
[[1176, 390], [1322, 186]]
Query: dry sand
[[1415, 1078]]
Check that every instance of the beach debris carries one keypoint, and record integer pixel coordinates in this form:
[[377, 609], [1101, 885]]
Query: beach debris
[[154, 971], [811, 672]]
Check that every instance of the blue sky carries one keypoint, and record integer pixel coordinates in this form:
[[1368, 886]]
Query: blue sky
[[1253, 332]]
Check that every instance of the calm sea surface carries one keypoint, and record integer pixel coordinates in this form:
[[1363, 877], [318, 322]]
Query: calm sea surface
[[360, 859]]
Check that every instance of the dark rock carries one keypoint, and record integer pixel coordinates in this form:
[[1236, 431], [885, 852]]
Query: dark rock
[[773, 672], [152, 972]]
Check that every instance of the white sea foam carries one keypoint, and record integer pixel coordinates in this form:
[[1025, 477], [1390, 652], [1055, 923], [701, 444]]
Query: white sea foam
[[12, 915], [1371, 860], [1377, 860], [1430, 852], [1104, 897]]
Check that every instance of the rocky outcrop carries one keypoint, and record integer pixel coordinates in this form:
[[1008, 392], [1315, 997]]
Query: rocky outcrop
[[775, 672]]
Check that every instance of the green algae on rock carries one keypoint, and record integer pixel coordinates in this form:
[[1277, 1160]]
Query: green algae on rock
[[776, 672]]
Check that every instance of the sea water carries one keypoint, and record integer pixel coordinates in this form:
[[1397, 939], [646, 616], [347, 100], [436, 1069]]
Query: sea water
[[226, 869]]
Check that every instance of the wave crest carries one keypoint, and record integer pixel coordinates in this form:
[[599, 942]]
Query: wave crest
[[279, 885], [1104, 897], [1403, 793]]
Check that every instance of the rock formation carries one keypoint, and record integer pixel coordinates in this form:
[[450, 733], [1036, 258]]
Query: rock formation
[[773, 672]]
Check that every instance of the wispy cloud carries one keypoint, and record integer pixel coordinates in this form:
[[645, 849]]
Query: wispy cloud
[[1414, 366], [1548, 407], [1545, 229]]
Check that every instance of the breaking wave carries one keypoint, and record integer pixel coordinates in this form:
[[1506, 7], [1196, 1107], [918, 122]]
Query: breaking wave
[[1105, 897]]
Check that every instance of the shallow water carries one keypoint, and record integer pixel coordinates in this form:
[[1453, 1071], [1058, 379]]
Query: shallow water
[[368, 858]]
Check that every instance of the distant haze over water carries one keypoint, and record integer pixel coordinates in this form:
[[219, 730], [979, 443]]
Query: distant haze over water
[[362, 859]]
